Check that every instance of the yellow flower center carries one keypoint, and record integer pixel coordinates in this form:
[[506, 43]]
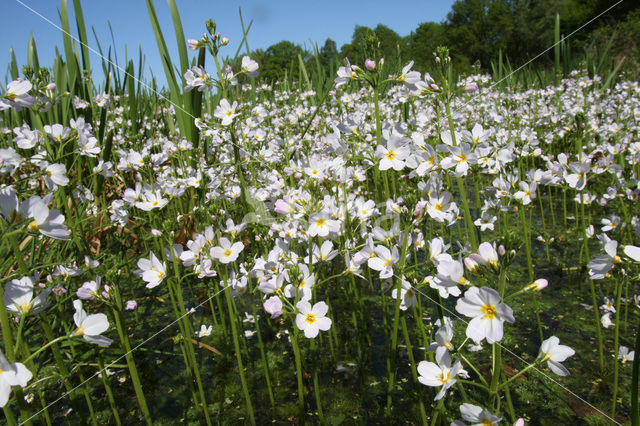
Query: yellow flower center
[[79, 331], [320, 222], [155, 203], [227, 253], [464, 281], [462, 158], [229, 113], [489, 311], [444, 379], [310, 318], [487, 422], [160, 275], [438, 207], [33, 226], [25, 307], [391, 155]]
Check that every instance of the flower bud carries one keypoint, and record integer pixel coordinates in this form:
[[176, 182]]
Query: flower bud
[[51, 86], [501, 250], [537, 285], [224, 41], [193, 44], [273, 306], [471, 264], [370, 64]]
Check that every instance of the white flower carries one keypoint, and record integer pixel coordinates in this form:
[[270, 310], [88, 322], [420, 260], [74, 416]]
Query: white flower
[[204, 331], [554, 353], [18, 297], [47, 222], [226, 252], [197, 77], [90, 327], [440, 374], [225, 111], [249, 66], [606, 320], [488, 313], [312, 319], [407, 294], [633, 252], [321, 225], [151, 270], [17, 95], [625, 355], [11, 374], [478, 416], [394, 154]]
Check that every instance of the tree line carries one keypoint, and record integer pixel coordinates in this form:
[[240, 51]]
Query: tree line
[[477, 32]]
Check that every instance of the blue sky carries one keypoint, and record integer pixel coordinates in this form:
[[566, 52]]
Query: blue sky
[[273, 21]]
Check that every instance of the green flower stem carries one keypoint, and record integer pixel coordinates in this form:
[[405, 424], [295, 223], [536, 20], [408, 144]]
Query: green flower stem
[[187, 332], [527, 247], [471, 233], [11, 420], [391, 359], [52, 342], [592, 289], [518, 374], [316, 386], [107, 388], [480, 376], [414, 373], [265, 362], [298, 360], [635, 374], [507, 395], [236, 344], [62, 368], [19, 336], [616, 346], [133, 371]]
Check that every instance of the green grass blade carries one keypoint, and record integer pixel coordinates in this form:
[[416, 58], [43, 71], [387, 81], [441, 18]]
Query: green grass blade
[[174, 90], [32, 54], [82, 36], [72, 64], [13, 67]]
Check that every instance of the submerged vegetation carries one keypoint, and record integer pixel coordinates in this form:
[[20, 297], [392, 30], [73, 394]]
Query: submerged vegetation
[[365, 244]]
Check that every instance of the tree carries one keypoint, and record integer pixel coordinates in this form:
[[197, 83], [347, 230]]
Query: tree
[[278, 58]]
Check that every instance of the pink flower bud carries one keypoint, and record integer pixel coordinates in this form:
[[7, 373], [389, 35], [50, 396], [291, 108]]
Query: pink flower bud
[[156, 233], [273, 306], [193, 44], [537, 285], [51, 86], [224, 41], [131, 305], [501, 250], [471, 264], [370, 64]]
